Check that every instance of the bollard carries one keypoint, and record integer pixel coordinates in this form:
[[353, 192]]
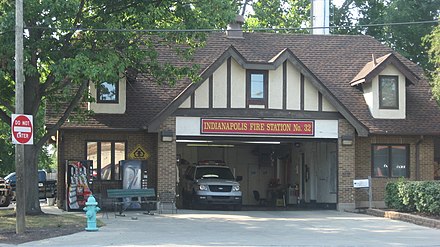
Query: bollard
[[91, 210]]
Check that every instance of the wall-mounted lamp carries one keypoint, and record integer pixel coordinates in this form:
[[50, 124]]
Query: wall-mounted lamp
[[347, 140], [167, 135]]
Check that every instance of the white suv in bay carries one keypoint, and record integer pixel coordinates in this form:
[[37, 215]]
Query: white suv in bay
[[207, 184]]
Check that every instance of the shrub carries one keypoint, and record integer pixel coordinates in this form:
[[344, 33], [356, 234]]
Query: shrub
[[413, 196]]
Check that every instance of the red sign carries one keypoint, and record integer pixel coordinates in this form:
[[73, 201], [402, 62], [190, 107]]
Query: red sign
[[22, 131], [258, 127]]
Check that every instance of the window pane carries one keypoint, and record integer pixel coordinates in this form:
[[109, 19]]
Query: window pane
[[92, 154], [106, 160], [398, 161], [257, 86], [388, 92], [107, 91], [119, 155], [380, 161]]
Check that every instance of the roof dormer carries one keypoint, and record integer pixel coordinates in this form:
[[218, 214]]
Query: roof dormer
[[383, 82], [110, 96]]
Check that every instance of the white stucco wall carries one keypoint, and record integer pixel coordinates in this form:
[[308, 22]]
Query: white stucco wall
[[310, 96], [326, 106], [293, 88], [219, 87], [275, 88], [201, 95], [238, 85], [186, 103]]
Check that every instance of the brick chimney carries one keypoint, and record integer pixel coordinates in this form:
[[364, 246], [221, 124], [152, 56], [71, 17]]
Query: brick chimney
[[234, 29]]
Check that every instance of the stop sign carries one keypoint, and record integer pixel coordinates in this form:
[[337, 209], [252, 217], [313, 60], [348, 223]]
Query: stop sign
[[22, 130]]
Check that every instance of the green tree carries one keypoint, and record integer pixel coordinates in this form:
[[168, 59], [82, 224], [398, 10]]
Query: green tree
[[279, 14], [405, 38], [7, 160], [434, 55], [68, 44]]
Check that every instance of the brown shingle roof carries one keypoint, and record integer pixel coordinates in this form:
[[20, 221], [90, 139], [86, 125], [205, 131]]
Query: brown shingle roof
[[333, 59], [368, 68]]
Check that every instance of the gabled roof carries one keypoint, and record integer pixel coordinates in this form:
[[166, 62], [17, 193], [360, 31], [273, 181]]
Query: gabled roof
[[374, 67], [272, 64], [331, 62]]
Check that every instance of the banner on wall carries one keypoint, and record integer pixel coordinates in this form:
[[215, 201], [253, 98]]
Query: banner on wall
[[257, 127], [78, 181]]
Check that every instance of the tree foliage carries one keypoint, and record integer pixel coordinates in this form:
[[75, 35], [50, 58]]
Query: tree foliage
[[279, 14], [406, 39], [434, 55], [68, 44]]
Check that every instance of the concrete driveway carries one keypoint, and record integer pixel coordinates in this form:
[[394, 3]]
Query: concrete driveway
[[250, 228]]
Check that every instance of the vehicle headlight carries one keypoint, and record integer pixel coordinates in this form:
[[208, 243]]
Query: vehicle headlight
[[236, 188], [203, 187]]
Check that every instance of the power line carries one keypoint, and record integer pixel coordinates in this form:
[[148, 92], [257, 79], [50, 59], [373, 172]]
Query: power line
[[221, 30]]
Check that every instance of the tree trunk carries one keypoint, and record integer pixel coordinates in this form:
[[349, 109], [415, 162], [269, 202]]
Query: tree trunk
[[31, 175]]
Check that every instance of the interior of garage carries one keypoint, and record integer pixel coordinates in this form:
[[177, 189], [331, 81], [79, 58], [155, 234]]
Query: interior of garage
[[300, 173]]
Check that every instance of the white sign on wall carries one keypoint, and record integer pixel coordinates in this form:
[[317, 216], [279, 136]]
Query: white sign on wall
[[361, 183], [191, 126]]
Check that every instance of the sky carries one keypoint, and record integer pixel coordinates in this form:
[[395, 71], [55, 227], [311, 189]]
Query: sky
[[338, 3]]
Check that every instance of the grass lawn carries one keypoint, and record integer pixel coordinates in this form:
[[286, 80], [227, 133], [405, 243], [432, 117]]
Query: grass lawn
[[40, 226]]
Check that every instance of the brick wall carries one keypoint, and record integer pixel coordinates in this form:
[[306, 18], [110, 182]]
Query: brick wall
[[166, 158], [346, 167], [363, 164], [72, 146]]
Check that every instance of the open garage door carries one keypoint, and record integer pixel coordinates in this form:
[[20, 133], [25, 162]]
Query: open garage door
[[283, 173]]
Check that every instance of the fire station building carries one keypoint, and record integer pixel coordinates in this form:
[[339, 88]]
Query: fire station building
[[302, 115]]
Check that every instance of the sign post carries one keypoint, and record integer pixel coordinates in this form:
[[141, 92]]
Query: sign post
[[365, 183], [22, 129], [20, 208]]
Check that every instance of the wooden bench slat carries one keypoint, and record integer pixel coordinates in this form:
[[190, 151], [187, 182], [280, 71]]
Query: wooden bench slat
[[121, 193]]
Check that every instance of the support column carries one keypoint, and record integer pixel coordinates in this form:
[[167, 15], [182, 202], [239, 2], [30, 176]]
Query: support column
[[346, 166], [166, 158]]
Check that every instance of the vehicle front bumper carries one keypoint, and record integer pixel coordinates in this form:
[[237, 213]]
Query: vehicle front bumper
[[217, 200]]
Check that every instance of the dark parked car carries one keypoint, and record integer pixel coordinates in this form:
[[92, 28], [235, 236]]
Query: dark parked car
[[5, 193], [46, 188]]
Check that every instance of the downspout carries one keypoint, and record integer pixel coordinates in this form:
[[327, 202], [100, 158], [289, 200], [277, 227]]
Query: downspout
[[418, 157]]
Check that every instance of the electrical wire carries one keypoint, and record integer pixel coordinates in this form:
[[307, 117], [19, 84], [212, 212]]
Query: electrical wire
[[222, 30]]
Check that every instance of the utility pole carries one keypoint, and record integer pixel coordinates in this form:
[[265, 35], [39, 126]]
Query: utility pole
[[20, 209]]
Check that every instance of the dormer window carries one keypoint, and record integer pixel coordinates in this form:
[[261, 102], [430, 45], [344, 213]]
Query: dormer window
[[388, 92], [256, 87], [108, 92]]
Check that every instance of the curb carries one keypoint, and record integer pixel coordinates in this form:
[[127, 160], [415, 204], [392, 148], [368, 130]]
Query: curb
[[414, 219]]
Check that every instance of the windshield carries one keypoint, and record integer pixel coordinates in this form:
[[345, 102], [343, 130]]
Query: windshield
[[10, 177], [214, 172]]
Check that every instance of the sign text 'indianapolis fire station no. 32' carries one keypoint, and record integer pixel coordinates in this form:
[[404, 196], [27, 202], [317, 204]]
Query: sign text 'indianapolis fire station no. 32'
[[257, 127]]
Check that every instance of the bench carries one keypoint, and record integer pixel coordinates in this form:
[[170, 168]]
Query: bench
[[124, 198]]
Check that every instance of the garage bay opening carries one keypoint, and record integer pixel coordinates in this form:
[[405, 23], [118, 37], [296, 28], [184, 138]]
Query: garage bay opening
[[298, 173]]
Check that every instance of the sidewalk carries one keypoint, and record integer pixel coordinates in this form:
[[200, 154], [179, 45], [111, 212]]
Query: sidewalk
[[248, 228]]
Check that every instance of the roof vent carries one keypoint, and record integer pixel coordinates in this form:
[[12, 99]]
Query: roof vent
[[234, 30]]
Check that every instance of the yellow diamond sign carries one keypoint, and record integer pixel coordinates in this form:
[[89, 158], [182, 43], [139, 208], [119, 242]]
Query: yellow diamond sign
[[139, 153]]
